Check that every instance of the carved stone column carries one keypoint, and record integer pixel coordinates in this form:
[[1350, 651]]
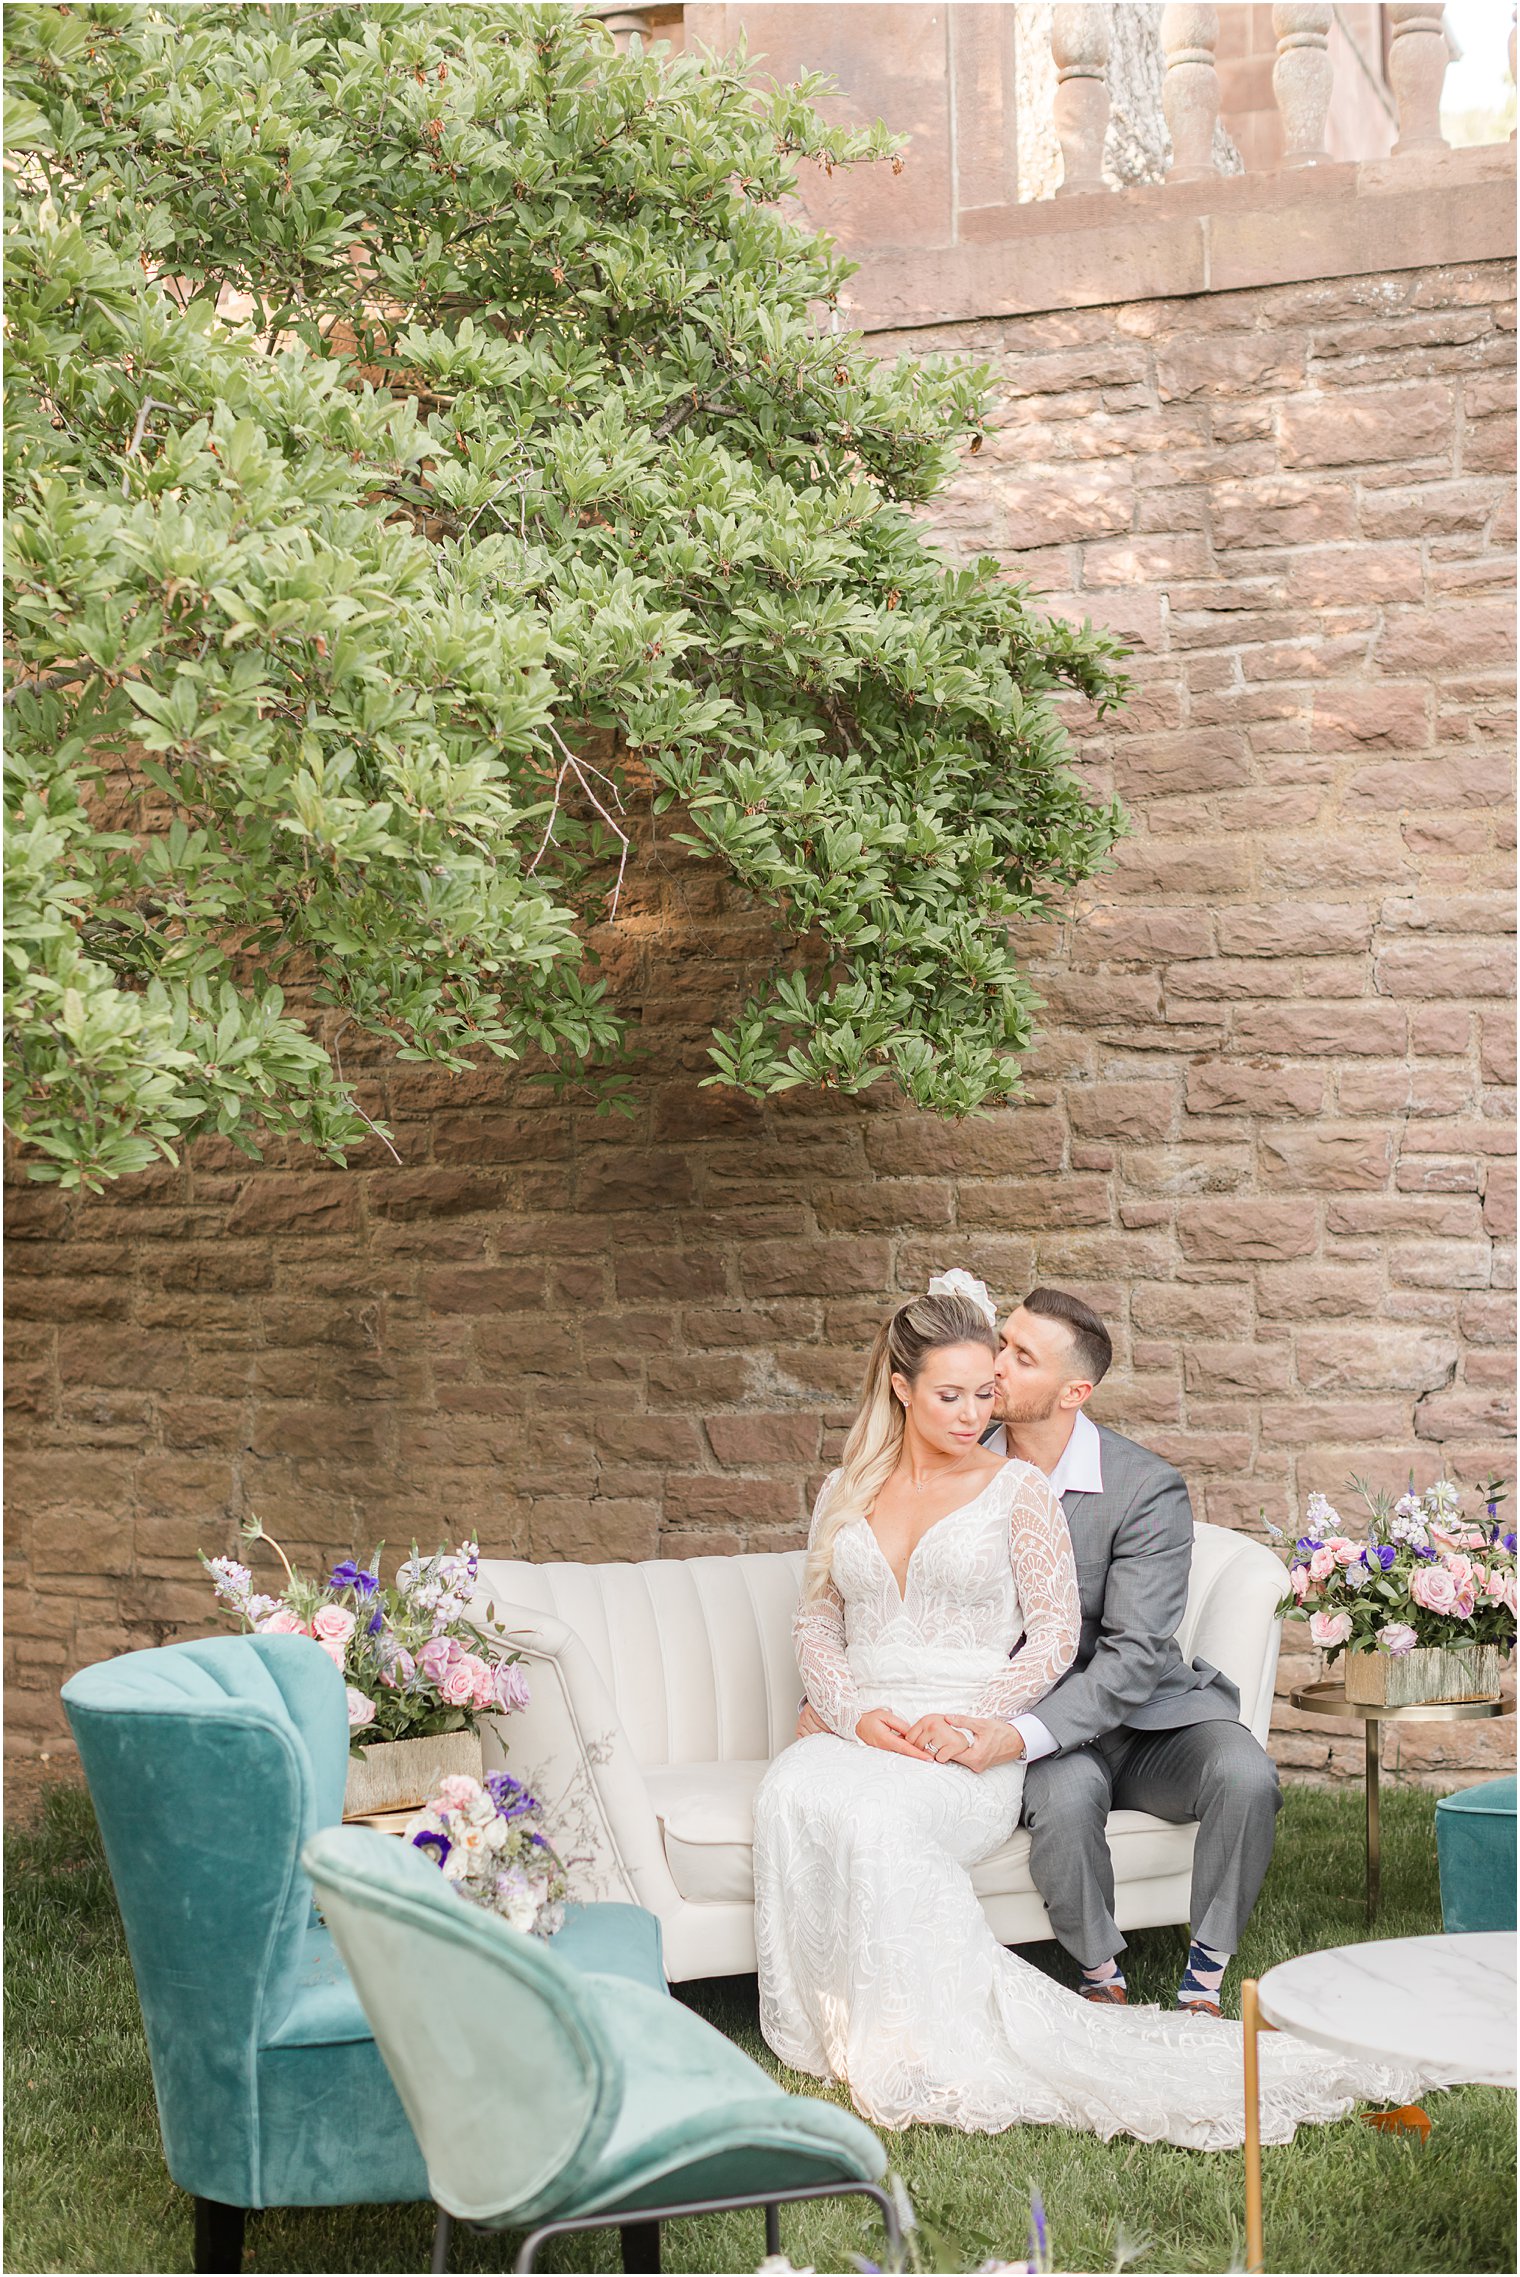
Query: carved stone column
[[1190, 97], [625, 23], [1417, 60], [1079, 44], [1301, 79]]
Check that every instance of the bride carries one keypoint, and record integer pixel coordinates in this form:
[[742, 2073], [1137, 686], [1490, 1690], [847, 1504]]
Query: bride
[[930, 1559]]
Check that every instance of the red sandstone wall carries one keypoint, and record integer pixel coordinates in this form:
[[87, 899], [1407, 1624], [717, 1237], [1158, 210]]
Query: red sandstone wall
[[1267, 1129]]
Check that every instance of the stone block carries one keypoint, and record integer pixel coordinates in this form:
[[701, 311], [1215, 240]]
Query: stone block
[[1466, 1415], [680, 1275], [1427, 785], [1378, 426], [1423, 969], [1446, 1218], [883, 1204], [744, 1442], [616, 1178], [307, 1202], [1016, 1142], [1402, 1090], [1326, 1159], [1122, 1110], [1186, 1308], [1228, 364], [1225, 1371], [1499, 1199], [1206, 759], [1134, 936], [1321, 1291], [1369, 1028], [1281, 510], [1439, 1174], [486, 1289], [1234, 1087], [1363, 715], [1441, 1265], [1377, 1358], [1247, 1229], [1295, 929]]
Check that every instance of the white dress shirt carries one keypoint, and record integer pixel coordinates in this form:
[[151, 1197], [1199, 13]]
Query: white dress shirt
[[1080, 1471]]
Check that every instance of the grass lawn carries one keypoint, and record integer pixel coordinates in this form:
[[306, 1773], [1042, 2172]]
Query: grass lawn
[[86, 2187]]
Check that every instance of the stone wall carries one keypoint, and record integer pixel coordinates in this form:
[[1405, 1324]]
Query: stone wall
[[1266, 1128]]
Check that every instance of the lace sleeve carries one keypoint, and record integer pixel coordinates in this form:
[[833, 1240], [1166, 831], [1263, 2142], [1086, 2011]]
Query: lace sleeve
[[818, 1637], [1045, 1571]]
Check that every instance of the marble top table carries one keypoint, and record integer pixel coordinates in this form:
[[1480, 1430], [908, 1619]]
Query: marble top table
[[1447, 2003]]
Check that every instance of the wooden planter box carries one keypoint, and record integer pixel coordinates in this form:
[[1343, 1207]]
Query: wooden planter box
[[400, 1774], [1424, 1676]]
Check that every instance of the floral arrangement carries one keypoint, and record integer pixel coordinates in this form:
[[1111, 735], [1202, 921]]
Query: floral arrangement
[[1424, 1576], [489, 1840], [413, 1664]]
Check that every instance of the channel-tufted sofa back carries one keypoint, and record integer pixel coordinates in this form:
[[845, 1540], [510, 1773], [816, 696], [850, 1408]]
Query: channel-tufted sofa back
[[696, 1653]]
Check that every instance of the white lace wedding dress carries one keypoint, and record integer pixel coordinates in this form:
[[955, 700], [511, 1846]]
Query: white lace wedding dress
[[877, 1964]]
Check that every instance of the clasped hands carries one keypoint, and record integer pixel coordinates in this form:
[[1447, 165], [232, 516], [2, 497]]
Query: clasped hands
[[931, 1739]]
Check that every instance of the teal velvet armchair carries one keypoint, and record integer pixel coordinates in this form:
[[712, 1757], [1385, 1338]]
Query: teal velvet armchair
[[210, 1764], [549, 2097]]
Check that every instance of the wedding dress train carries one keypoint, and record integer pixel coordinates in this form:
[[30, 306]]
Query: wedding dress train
[[877, 1964]]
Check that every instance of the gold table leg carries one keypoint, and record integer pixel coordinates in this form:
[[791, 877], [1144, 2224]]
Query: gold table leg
[[1250, 2018], [1374, 1739]]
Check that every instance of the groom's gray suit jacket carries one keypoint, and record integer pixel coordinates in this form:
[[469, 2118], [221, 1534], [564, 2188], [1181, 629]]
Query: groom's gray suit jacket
[[1134, 1549]]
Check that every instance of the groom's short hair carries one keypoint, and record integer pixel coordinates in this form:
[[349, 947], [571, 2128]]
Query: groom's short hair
[[1094, 1345]]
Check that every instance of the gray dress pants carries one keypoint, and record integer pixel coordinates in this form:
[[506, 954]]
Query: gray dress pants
[[1214, 1772]]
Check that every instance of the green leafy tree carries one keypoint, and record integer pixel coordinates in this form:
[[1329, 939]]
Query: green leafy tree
[[422, 456]]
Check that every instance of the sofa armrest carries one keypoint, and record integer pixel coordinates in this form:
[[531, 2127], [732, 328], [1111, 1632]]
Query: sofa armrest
[[570, 1746]]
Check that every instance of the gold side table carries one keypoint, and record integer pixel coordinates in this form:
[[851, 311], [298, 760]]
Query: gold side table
[[1330, 1700]]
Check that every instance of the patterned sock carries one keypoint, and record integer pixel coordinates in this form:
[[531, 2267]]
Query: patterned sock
[[1202, 1977], [1106, 1972]]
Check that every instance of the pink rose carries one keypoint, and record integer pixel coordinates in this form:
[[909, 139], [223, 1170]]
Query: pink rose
[[1509, 1589], [1432, 1586], [332, 1624], [460, 1682], [1329, 1628], [485, 1689], [1344, 1552], [1492, 1579], [434, 1658], [336, 1653], [457, 1791], [399, 1670], [1322, 1564], [1397, 1637], [283, 1624], [511, 1687], [361, 1711], [1466, 1604]]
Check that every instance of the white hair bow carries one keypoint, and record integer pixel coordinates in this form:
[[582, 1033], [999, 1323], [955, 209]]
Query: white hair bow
[[960, 1284]]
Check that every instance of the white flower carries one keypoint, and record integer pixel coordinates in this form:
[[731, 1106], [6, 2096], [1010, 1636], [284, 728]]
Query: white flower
[[777, 2265], [958, 1283], [1321, 1515]]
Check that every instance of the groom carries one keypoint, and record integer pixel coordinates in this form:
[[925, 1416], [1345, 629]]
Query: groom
[[1131, 1725]]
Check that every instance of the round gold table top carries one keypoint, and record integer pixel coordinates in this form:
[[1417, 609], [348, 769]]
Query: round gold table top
[[1331, 1700]]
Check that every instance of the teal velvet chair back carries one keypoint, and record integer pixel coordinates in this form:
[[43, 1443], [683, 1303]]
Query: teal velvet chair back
[[510, 2082], [209, 1765], [1475, 1843]]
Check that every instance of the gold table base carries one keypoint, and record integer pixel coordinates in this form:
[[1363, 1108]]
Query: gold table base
[[1330, 1700]]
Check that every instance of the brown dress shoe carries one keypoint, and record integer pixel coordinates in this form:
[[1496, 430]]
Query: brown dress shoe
[[1199, 2008], [1107, 1995]]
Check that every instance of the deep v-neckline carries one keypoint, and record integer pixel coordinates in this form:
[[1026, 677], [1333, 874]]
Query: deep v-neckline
[[958, 1512]]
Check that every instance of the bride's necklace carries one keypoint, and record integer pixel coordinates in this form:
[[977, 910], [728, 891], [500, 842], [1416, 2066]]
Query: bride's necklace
[[953, 1470]]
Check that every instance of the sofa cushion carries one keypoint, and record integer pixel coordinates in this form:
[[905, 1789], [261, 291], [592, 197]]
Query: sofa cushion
[[707, 1818]]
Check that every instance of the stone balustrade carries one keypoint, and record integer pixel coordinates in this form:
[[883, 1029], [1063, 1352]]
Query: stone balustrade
[[1302, 81]]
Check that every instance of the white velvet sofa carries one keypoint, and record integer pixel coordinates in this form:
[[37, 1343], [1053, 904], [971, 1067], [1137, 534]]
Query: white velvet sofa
[[662, 1690]]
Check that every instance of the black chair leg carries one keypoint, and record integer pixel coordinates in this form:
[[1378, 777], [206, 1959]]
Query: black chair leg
[[441, 2230], [218, 2239], [772, 2229], [641, 2248]]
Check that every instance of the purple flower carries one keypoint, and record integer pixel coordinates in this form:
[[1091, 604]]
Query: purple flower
[[434, 1846], [376, 1622], [1381, 1554], [511, 1686], [510, 1796], [1507, 1542], [351, 1576], [1306, 1545]]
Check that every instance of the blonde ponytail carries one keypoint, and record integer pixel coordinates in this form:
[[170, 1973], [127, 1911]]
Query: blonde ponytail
[[927, 1324]]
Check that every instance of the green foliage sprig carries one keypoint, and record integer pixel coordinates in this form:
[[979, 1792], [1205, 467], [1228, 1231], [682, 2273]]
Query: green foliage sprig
[[405, 410]]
